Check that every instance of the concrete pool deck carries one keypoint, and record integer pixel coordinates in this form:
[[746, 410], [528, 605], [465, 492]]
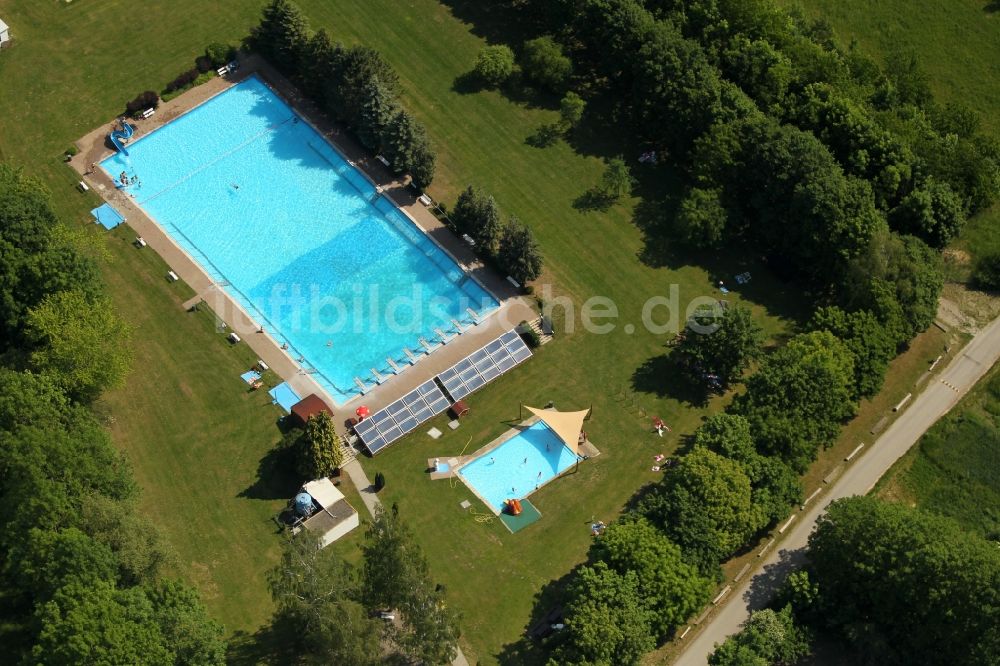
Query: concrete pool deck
[[513, 308]]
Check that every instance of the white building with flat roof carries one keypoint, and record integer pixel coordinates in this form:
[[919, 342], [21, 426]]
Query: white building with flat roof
[[4, 33], [333, 516]]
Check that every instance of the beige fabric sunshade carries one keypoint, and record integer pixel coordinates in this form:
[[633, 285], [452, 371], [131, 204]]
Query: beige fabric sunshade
[[566, 425]]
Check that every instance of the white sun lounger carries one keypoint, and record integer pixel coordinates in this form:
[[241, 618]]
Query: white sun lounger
[[458, 326], [378, 378], [427, 347], [442, 336], [361, 385], [392, 364], [474, 315], [409, 355]]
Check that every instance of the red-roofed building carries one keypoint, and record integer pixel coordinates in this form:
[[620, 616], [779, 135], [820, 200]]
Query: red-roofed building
[[309, 406]]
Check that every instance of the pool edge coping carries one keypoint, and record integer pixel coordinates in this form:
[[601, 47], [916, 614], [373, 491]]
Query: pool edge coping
[[349, 394]]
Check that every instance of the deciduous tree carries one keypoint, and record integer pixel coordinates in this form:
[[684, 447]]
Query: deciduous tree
[[701, 218], [799, 397], [544, 63], [519, 255], [617, 180], [571, 110], [494, 64], [81, 342], [704, 505], [905, 586], [768, 638], [606, 619], [672, 589], [723, 346], [318, 594]]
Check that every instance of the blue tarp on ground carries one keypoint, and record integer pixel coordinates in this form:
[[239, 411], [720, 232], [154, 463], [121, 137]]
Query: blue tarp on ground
[[284, 396], [250, 376], [107, 216]]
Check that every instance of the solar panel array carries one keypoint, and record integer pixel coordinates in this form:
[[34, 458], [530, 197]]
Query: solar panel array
[[387, 425], [484, 365]]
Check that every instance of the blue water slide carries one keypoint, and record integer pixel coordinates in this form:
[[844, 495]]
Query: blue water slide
[[118, 135]]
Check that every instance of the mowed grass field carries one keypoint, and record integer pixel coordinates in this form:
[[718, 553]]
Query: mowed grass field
[[197, 438], [955, 468]]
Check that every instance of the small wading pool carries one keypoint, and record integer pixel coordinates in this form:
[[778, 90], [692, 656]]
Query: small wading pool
[[518, 467], [297, 236]]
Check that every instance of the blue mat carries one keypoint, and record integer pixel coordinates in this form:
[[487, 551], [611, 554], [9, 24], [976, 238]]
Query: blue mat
[[284, 396], [107, 216], [250, 376]]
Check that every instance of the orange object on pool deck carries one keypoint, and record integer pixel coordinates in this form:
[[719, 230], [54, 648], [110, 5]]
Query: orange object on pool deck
[[514, 507]]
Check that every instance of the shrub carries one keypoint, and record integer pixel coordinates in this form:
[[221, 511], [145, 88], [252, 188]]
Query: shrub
[[200, 79], [144, 100], [529, 335], [545, 64], [72, 150], [182, 80], [203, 63], [220, 54], [494, 64], [986, 274], [379, 481]]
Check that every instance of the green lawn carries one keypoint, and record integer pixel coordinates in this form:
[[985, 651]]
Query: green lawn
[[955, 468], [197, 438]]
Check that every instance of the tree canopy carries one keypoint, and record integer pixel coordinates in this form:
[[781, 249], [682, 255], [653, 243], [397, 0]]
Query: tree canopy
[[322, 452], [494, 64], [607, 622], [768, 638], [544, 63], [518, 254], [704, 505], [723, 345], [906, 586], [80, 341], [672, 589], [799, 397]]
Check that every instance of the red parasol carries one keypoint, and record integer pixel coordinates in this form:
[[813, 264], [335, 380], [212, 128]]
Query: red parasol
[[362, 412]]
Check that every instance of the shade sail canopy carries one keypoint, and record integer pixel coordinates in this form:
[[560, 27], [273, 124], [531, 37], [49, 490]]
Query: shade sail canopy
[[566, 425]]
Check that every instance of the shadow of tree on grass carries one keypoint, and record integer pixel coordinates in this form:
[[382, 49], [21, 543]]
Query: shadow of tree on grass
[[663, 377], [276, 475]]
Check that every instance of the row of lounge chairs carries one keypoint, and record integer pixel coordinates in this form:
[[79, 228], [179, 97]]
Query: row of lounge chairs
[[441, 340]]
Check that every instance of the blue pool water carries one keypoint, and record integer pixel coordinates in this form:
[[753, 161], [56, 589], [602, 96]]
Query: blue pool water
[[297, 236], [503, 474]]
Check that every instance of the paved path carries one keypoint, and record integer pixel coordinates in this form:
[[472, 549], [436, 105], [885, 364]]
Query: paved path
[[941, 394]]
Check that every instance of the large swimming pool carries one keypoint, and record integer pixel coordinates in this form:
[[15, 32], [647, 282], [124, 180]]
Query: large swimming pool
[[298, 236], [518, 467]]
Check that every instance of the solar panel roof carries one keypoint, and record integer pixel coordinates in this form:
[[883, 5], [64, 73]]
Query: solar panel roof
[[402, 416], [484, 365]]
